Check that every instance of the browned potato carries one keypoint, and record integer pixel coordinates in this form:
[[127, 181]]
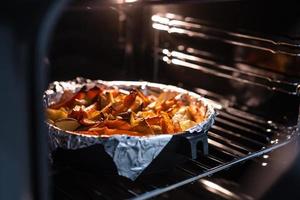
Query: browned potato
[[186, 124], [55, 114], [68, 124]]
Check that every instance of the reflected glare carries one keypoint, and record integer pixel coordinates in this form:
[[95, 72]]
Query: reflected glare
[[166, 59], [160, 27], [159, 19], [166, 52], [162, 23], [265, 156], [190, 57], [217, 189], [185, 64]]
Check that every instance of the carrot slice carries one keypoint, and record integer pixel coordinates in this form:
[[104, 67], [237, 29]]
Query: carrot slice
[[93, 93], [154, 120], [167, 125], [117, 124], [129, 99], [64, 101]]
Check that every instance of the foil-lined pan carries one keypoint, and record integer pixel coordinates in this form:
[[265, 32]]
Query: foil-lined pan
[[130, 154]]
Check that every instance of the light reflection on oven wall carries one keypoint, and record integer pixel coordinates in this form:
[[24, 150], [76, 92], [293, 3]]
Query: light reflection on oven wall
[[219, 190]]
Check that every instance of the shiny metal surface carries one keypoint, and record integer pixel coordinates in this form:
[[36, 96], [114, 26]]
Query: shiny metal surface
[[192, 27]]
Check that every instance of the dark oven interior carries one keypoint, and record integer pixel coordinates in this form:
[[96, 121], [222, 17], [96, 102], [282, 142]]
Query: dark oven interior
[[242, 55]]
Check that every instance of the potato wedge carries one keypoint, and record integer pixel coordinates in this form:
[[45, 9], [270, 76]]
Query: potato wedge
[[186, 124], [55, 114], [68, 124], [143, 127]]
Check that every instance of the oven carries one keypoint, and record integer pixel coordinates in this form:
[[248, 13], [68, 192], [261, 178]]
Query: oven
[[242, 55]]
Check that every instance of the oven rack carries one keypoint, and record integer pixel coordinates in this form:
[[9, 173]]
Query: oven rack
[[191, 27], [191, 60], [237, 136]]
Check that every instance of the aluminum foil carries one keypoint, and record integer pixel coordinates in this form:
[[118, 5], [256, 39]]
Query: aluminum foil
[[131, 154]]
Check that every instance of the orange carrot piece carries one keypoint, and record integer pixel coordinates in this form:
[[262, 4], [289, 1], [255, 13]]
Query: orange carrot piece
[[117, 124], [167, 125]]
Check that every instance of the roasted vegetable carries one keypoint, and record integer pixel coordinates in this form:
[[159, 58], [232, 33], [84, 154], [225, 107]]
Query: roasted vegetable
[[55, 114], [67, 124], [103, 110], [167, 125]]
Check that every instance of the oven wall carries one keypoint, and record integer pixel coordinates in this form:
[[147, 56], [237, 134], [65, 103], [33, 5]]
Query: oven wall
[[118, 42]]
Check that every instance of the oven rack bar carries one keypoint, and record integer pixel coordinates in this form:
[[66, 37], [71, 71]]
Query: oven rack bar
[[193, 57]]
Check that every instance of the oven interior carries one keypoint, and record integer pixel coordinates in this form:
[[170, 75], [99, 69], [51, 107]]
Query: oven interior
[[234, 53]]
